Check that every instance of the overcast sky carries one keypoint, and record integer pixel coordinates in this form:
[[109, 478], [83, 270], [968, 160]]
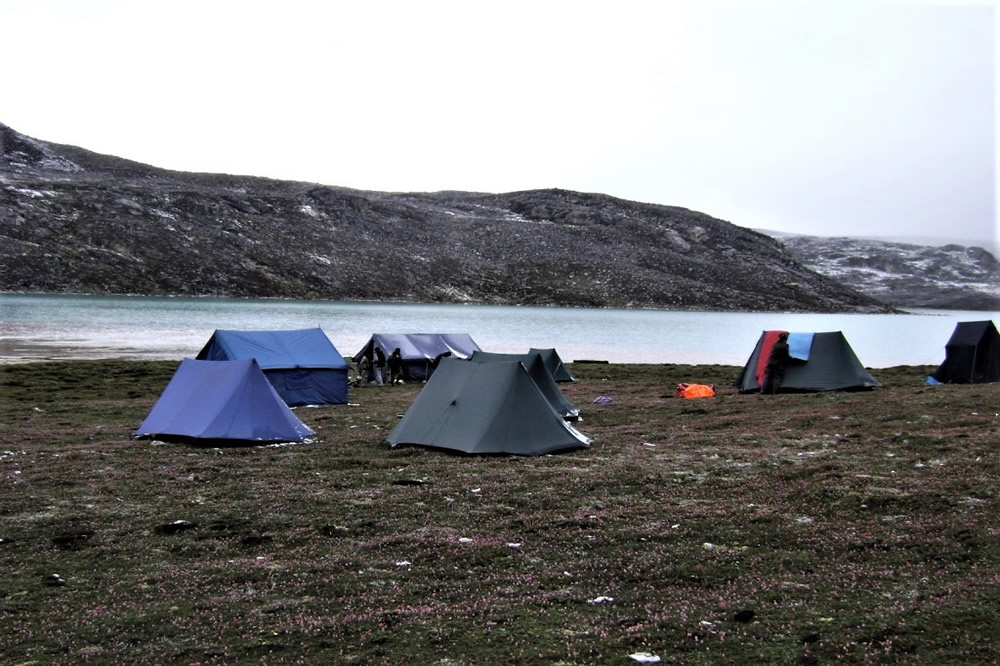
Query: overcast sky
[[838, 117]]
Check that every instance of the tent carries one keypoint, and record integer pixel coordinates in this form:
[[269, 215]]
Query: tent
[[972, 355], [539, 371], [550, 357], [820, 362], [419, 349], [302, 365], [485, 408], [222, 400], [555, 365]]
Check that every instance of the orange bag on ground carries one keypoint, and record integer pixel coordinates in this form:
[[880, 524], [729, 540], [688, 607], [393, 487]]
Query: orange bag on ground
[[694, 391]]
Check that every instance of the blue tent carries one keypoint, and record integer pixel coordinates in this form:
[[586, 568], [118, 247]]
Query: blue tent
[[419, 350], [222, 400], [303, 365]]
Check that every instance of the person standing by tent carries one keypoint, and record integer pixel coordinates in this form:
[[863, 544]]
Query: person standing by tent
[[364, 370], [774, 373], [379, 365], [395, 366]]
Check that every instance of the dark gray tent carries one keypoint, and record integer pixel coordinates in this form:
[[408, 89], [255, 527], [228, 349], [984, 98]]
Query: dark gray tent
[[555, 364], [821, 362], [485, 408], [535, 364], [972, 355]]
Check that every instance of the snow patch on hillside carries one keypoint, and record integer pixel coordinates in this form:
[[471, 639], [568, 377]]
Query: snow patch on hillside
[[904, 274]]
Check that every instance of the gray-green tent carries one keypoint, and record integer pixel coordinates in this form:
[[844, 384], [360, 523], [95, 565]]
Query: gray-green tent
[[820, 362], [539, 371], [555, 364], [485, 408]]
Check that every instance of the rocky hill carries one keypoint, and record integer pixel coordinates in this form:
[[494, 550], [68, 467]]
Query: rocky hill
[[906, 275], [76, 221]]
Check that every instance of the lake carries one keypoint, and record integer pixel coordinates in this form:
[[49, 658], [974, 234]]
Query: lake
[[49, 327]]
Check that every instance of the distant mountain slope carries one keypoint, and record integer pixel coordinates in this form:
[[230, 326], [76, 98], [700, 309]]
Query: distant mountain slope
[[75, 221], [906, 275]]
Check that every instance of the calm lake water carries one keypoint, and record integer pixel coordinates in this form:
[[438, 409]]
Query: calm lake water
[[39, 327]]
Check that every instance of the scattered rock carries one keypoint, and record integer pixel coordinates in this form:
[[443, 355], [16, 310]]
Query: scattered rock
[[256, 539], [409, 482], [73, 540], [175, 527], [333, 530]]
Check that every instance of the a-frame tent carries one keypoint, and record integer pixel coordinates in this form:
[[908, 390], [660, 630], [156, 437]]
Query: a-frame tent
[[419, 350], [535, 364], [821, 362], [303, 365], [972, 354], [555, 364], [485, 408], [229, 401]]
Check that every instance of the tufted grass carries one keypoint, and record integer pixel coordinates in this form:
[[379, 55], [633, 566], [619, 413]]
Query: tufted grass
[[814, 528]]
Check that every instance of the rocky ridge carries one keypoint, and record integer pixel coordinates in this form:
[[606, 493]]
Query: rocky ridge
[[73, 221], [905, 275]]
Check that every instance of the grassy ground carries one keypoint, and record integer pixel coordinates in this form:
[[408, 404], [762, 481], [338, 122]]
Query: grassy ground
[[814, 528]]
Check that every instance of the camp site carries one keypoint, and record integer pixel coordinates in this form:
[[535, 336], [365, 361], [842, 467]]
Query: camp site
[[850, 518]]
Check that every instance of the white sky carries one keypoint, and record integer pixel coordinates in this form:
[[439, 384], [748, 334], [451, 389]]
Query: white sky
[[829, 117]]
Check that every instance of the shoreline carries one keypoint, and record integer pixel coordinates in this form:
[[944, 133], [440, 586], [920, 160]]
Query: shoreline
[[18, 351], [61, 354]]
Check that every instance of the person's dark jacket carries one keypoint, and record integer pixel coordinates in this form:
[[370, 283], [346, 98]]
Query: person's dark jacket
[[780, 355]]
